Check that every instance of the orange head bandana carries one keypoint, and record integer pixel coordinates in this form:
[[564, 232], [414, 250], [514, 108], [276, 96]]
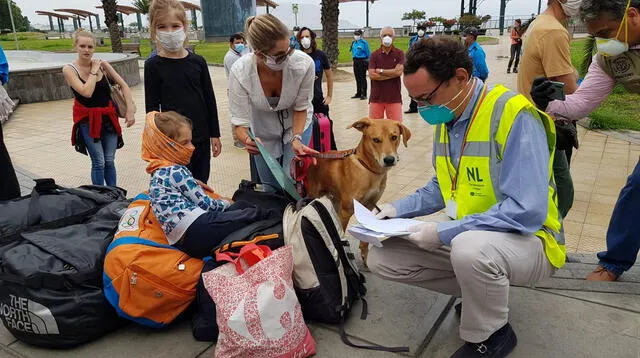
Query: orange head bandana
[[160, 150]]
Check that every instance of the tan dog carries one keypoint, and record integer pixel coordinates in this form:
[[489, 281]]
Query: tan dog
[[362, 175]]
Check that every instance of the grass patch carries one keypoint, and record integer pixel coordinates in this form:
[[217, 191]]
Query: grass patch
[[619, 111], [213, 52]]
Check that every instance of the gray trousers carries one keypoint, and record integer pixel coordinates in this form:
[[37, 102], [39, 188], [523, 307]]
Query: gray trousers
[[479, 267]]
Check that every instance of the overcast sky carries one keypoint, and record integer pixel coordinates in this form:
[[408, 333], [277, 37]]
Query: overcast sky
[[383, 12]]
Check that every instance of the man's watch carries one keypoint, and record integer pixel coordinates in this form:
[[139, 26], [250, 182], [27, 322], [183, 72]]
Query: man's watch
[[381, 71], [296, 136]]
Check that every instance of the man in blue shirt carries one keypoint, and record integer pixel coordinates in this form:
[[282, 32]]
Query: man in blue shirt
[[360, 53], [422, 34], [480, 69], [293, 40], [9, 186], [500, 209]]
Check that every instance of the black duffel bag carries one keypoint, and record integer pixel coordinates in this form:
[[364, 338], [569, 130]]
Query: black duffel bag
[[51, 265], [51, 206]]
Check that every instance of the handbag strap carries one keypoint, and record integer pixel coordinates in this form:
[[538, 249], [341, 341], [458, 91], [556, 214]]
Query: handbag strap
[[252, 254]]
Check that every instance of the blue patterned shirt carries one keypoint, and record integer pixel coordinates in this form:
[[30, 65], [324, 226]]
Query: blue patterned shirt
[[178, 200]]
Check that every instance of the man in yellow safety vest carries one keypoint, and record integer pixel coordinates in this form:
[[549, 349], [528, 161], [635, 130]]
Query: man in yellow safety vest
[[493, 154]]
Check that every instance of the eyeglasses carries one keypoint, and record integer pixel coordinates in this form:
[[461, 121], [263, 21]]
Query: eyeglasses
[[426, 100], [280, 57]]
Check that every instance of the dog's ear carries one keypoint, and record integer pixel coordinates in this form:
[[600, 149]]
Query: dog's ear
[[405, 132], [361, 125]]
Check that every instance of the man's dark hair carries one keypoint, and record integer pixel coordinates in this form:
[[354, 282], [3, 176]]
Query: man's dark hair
[[519, 21], [594, 9], [236, 36], [314, 45], [422, 26], [441, 56], [296, 28]]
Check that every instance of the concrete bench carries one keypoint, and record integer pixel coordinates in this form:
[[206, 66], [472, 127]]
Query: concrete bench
[[131, 48]]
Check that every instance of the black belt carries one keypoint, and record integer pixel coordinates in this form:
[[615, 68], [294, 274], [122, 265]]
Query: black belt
[[360, 58]]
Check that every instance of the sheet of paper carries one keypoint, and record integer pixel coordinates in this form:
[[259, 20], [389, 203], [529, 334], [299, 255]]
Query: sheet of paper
[[367, 235], [390, 227]]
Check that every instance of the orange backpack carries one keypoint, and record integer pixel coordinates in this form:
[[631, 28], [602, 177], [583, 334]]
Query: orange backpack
[[145, 279]]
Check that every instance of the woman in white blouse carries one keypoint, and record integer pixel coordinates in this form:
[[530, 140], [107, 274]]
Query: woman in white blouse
[[270, 92]]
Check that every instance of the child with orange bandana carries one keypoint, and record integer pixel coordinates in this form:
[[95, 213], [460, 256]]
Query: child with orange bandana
[[192, 221]]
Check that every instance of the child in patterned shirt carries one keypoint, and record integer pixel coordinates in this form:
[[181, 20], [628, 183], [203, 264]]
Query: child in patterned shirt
[[192, 221]]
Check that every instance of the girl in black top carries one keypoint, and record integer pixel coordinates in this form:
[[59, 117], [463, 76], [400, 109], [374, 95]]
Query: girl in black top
[[96, 129], [178, 80]]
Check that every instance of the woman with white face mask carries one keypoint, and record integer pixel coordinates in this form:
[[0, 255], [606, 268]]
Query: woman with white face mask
[[178, 80], [270, 94]]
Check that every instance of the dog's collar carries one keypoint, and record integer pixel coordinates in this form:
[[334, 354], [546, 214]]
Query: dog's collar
[[332, 154], [367, 166]]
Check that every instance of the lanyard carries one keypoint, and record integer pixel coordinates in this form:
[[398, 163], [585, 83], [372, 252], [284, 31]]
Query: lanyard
[[454, 175]]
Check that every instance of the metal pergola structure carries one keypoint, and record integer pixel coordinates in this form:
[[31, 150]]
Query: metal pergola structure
[[267, 3], [82, 14], [127, 10], [367, 8], [60, 18], [193, 8]]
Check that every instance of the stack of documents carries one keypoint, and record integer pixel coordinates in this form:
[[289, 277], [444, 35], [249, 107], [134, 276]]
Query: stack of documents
[[374, 231]]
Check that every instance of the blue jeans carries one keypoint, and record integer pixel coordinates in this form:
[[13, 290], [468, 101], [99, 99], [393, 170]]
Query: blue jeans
[[103, 154], [623, 236], [285, 160]]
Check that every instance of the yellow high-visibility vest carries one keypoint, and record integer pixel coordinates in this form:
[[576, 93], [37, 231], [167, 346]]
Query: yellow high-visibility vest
[[474, 186]]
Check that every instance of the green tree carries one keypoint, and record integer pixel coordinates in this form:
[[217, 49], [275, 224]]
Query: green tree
[[111, 20], [469, 20], [329, 18], [21, 22], [142, 5], [414, 16]]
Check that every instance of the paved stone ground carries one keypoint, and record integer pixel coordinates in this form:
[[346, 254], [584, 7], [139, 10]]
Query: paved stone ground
[[549, 323]]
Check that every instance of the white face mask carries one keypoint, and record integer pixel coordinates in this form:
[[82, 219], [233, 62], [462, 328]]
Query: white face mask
[[171, 40], [614, 47], [305, 42], [295, 33], [271, 63], [571, 8], [356, 37], [387, 41], [420, 33]]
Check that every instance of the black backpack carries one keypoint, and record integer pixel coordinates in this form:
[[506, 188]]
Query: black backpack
[[51, 264], [325, 275]]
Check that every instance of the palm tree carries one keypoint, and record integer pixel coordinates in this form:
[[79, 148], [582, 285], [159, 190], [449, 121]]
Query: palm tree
[[588, 51], [330, 12], [111, 19], [142, 5]]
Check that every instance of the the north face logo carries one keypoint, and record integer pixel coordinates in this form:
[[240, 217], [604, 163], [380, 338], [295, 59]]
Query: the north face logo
[[25, 315]]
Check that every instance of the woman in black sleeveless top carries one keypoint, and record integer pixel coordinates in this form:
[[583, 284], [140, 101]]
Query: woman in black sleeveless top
[[96, 129]]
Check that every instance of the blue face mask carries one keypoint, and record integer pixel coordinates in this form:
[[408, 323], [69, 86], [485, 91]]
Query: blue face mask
[[435, 114], [239, 47]]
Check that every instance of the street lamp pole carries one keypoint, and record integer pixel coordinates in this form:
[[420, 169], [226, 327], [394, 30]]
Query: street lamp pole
[[13, 25], [294, 8]]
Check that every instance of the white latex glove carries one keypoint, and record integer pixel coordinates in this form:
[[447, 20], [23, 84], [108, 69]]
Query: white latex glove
[[425, 236], [387, 211]]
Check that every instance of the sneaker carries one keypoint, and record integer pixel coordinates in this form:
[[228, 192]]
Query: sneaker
[[499, 345], [508, 70], [356, 96], [515, 70], [411, 110], [362, 98], [602, 274]]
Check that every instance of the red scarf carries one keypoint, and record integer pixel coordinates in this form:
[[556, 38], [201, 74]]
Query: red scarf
[[95, 115]]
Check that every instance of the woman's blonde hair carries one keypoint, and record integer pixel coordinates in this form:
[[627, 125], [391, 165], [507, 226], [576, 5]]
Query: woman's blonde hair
[[169, 123], [161, 8], [83, 33], [263, 31]]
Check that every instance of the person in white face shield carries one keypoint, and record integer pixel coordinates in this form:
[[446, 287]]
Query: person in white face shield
[[546, 53], [616, 26]]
